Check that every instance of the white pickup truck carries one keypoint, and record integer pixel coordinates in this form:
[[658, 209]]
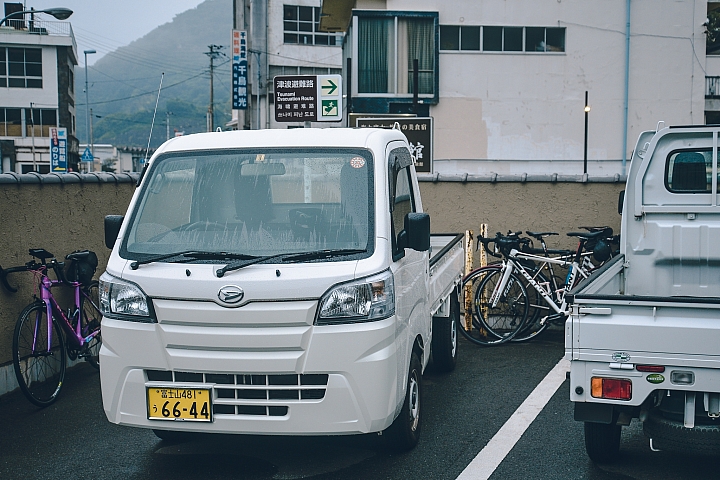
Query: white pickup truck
[[644, 334], [277, 282]]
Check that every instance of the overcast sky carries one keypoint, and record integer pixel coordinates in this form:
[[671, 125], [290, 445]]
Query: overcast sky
[[104, 25]]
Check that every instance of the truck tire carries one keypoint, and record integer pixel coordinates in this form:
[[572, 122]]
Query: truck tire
[[444, 339], [602, 441], [404, 432], [672, 435]]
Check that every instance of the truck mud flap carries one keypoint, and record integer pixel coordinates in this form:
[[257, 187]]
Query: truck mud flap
[[594, 412]]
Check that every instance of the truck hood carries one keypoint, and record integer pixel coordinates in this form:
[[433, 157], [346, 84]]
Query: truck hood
[[258, 282]]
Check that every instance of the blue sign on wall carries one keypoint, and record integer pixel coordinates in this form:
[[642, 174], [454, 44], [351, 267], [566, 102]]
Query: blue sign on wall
[[239, 70], [58, 150]]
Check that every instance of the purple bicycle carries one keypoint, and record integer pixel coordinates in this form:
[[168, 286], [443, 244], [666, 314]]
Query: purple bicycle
[[45, 334]]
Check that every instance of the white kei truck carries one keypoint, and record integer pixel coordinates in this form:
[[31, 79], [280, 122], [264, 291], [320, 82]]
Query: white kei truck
[[643, 338], [277, 282]]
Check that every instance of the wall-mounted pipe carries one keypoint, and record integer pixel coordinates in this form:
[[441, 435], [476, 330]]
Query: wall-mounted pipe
[[627, 86]]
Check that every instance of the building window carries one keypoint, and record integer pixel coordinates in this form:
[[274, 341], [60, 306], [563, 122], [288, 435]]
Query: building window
[[387, 47], [10, 122], [20, 67], [38, 121], [301, 25], [71, 79], [502, 39]]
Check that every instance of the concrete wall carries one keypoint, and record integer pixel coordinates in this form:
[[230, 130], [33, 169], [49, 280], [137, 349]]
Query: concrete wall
[[63, 217], [58, 217]]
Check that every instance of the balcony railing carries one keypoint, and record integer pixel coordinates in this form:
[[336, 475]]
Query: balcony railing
[[712, 87], [39, 27]]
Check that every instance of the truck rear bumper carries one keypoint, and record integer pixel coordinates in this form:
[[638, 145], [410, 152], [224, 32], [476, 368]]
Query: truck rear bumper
[[643, 383]]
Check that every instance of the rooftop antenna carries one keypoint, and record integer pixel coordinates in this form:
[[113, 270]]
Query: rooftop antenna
[[153, 120]]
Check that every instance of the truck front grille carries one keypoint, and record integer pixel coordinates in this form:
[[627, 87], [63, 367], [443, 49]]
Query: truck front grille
[[251, 394]]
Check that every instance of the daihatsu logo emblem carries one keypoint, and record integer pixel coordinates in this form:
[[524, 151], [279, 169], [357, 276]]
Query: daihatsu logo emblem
[[231, 294]]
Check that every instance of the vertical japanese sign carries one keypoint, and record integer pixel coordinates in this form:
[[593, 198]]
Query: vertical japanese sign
[[58, 150], [417, 130], [239, 70]]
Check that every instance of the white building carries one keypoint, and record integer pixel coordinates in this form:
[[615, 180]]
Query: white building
[[37, 68], [506, 80]]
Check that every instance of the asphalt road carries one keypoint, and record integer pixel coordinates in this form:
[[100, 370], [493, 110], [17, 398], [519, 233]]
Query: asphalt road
[[463, 410]]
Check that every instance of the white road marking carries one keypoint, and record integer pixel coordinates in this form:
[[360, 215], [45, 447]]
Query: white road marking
[[485, 463]]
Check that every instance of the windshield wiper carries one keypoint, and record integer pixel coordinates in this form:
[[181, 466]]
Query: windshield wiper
[[238, 265], [293, 257], [322, 254], [194, 254]]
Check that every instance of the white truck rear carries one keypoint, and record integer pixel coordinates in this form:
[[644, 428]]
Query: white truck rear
[[277, 282], [644, 334]]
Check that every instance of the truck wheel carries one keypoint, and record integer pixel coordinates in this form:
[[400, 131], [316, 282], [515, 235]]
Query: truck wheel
[[404, 432], [602, 441], [672, 435], [444, 339]]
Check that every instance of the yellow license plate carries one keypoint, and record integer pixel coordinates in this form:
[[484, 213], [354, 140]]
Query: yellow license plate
[[166, 403]]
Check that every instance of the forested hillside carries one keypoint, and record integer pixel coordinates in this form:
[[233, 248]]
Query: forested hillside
[[123, 85]]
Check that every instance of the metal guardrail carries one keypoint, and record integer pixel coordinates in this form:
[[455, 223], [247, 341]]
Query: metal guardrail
[[40, 27]]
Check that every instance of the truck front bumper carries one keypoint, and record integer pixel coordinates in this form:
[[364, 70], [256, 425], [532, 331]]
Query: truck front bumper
[[315, 380]]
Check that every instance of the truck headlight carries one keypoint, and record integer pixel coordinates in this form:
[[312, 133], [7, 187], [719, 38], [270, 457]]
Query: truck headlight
[[364, 300], [123, 300]]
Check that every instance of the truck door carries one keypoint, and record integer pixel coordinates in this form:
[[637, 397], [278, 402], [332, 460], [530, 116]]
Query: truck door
[[410, 268]]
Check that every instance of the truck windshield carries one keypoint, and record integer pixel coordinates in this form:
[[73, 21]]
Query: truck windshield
[[254, 203]]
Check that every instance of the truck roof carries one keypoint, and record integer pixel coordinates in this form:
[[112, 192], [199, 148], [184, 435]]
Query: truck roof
[[297, 137]]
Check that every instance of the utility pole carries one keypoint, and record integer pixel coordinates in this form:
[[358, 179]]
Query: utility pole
[[167, 124], [213, 54]]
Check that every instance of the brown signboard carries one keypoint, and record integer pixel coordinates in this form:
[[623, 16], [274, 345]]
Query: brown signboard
[[417, 130]]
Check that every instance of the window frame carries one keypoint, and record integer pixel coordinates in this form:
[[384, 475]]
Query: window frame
[[674, 153], [314, 33], [28, 81], [399, 161], [393, 96], [502, 50]]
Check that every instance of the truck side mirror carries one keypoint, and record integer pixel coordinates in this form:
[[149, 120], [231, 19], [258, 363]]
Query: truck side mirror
[[621, 200], [417, 232], [112, 229]]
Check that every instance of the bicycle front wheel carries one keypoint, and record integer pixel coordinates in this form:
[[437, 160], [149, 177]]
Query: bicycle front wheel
[[507, 318], [39, 364], [476, 334], [90, 308]]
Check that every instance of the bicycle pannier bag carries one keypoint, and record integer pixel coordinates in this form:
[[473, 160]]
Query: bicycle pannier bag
[[82, 271]]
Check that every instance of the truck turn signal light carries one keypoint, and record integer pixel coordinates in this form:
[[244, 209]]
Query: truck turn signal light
[[611, 388]]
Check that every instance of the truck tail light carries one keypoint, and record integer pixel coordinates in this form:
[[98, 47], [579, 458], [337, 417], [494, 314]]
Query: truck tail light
[[611, 388], [650, 368]]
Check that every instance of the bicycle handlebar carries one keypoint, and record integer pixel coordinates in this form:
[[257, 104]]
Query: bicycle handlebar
[[32, 266]]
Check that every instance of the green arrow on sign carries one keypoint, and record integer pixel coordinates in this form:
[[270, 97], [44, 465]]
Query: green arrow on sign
[[331, 88]]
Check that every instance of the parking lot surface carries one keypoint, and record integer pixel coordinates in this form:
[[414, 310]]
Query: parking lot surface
[[462, 412]]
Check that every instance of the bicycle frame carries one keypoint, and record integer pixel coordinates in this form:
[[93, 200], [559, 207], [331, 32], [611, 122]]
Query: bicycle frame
[[510, 265], [53, 309]]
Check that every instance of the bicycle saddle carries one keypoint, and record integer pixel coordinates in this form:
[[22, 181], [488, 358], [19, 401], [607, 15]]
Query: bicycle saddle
[[78, 255], [41, 253], [539, 235], [588, 235]]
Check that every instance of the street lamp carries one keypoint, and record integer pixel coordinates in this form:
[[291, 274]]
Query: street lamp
[[587, 110], [60, 13], [87, 100]]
